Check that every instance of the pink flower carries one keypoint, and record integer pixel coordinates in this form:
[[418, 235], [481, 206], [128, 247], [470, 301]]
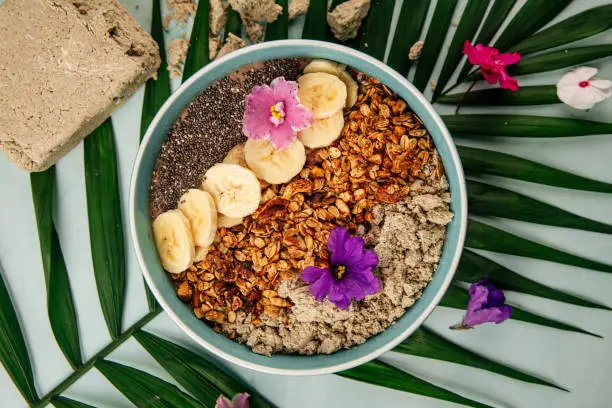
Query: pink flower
[[579, 89], [492, 64], [239, 401], [274, 112]]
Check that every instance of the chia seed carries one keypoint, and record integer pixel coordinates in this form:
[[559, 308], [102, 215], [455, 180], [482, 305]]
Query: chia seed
[[208, 128]]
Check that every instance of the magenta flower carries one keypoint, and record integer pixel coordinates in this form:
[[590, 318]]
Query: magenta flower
[[274, 112], [350, 274], [492, 64], [486, 305], [239, 401]]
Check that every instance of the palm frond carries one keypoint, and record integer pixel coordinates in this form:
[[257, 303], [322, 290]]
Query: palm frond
[[314, 29], [105, 223], [524, 96], [483, 236], [534, 15], [409, 25], [199, 376], [145, 390], [234, 23], [468, 25], [60, 305], [279, 29], [523, 126], [374, 32], [13, 350], [440, 22], [457, 298], [63, 402], [473, 267], [486, 199], [426, 343], [378, 373], [577, 27], [477, 161], [197, 54]]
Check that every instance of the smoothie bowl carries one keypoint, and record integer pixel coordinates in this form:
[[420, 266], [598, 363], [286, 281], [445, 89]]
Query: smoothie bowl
[[298, 207]]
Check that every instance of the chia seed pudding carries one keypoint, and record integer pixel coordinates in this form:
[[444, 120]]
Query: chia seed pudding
[[299, 206]]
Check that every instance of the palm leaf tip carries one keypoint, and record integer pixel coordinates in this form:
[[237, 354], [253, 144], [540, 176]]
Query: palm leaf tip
[[426, 343], [378, 373]]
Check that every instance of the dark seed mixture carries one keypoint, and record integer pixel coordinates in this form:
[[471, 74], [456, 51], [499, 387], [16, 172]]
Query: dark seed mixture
[[215, 114]]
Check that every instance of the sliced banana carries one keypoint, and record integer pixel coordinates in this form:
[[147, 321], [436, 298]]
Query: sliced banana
[[200, 209], [323, 132], [174, 241], [236, 156], [352, 88], [322, 65], [324, 94], [274, 165], [200, 253], [228, 222], [235, 189]]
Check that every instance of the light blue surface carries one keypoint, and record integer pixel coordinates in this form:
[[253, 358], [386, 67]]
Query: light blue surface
[[581, 363], [162, 286]]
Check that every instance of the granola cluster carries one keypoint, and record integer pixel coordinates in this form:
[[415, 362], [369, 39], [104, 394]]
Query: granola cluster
[[383, 148]]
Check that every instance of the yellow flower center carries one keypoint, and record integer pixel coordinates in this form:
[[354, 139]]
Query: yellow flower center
[[276, 112], [340, 271]]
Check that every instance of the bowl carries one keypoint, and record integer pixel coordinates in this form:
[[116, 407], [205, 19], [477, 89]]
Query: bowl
[[182, 314]]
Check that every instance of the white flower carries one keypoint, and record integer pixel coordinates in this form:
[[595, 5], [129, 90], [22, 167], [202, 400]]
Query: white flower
[[580, 90]]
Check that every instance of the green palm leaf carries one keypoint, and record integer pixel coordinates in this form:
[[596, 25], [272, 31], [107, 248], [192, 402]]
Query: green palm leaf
[[197, 54], [426, 343], [105, 223], [199, 376], [473, 267], [497, 14], [279, 29], [523, 126], [524, 96], [485, 199], [534, 15], [63, 402], [13, 350], [378, 373], [145, 390], [374, 30], [483, 236], [60, 306], [234, 23], [435, 37], [560, 59], [582, 25], [458, 298], [480, 161], [314, 26], [468, 25], [409, 25], [157, 90]]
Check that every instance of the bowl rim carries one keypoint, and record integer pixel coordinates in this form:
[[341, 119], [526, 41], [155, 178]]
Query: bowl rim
[[462, 216]]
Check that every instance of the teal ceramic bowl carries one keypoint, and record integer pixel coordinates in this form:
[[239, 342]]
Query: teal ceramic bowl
[[160, 284]]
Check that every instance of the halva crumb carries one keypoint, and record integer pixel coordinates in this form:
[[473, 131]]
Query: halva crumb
[[345, 19]]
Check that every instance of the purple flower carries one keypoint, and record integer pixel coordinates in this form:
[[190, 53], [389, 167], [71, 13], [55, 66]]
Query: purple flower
[[274, 112], [350, 274], [239, 401], [486, 305]]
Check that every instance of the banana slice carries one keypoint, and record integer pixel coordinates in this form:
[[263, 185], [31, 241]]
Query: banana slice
[[200, 209], [274, 165], [323, 132], [200, 253], [174, 241], [322, 65], [236, 156], [235, 189], [228, 222], [352, 89], [324, 94]]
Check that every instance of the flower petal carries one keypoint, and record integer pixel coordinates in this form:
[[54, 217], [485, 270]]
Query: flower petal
[[256, 121], [492, 315], [338, 298], [241, 400], [223, 402], [506, 81], [489, 75], [602, 85], [310, 274], [282, 136], [335, 244], [496, 298], [577, 97], [322, 286], [509, 59]]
